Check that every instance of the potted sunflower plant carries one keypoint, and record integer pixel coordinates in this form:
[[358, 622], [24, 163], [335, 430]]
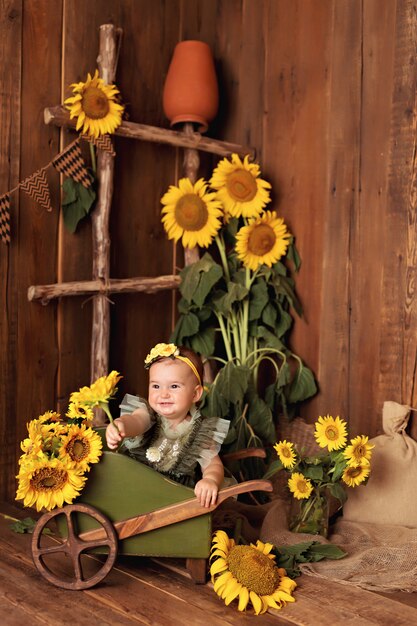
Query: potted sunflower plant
[[237, 300], [314, 479], [58, 453]]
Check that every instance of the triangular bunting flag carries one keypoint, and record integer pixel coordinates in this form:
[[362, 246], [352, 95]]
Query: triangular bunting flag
[[36, 186], [103, 142], [5, 218], [71, 163]]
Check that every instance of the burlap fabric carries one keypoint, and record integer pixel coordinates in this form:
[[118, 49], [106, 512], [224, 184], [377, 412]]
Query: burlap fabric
[[381, 556]]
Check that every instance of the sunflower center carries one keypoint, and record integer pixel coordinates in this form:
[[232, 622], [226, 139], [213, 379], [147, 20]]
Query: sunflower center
[[332, 433], [261, 240], [253, 569], [48, 478], [78, 449], [302, 486], [359, 451], [95, 103], [241, 185], [191, 212], [286, 452], [354, 472]]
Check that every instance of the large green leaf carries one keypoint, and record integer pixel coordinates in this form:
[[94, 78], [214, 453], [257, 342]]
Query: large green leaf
[[303, 386], [259, 416], [76, 203], [187, 326], [232, 382], [284, 286], [203, 342], [269, 316], [269, 339], [198, 279], [284, 321], [258, 300], [225, 301]]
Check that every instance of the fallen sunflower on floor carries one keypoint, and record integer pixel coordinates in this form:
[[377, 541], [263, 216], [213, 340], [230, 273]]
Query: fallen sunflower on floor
[[249, 574]]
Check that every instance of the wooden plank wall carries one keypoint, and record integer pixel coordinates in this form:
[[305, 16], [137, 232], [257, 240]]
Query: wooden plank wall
[[325, 92]]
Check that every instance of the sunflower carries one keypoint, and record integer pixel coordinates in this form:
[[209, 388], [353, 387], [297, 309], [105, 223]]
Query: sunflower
[[330, 433], [300, 486], [81, 446], [78, 410], [239, 188], [263, 241], [359, 451], [94, 104], [248, 573], [48, 483], [100, 391], [354, 476], [191, 212], [286, 454], [49, 417]]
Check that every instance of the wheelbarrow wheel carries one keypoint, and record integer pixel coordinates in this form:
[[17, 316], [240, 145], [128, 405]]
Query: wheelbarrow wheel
[[74, 547]]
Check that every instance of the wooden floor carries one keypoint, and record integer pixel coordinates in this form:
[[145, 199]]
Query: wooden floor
[[145, 591]]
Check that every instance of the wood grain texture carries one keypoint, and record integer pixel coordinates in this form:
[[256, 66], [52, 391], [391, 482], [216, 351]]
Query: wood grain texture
[[10, 73], [37, 345]]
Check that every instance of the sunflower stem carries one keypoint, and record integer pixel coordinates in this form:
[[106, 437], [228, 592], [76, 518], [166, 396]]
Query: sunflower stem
[[225, 336], [222, 251], [93, 157]]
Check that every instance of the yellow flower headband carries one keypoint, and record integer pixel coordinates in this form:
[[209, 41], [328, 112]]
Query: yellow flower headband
[[170, 350]]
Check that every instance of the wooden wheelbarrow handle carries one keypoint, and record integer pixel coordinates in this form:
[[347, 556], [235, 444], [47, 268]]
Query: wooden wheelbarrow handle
[[174, 513]]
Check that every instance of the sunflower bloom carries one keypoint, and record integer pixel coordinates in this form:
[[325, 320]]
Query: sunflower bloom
[[359, 451], [192, 213], [78, 410], [330, 432], [239, 188], [48, 483], [263, 241], [353, 476], [248, 574], [286, 453], [95, 107], [99, 392], [80, 447], [300, 486]]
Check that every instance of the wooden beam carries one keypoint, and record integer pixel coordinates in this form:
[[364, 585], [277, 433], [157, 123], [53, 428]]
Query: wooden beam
[[59, 116], [45, 293]]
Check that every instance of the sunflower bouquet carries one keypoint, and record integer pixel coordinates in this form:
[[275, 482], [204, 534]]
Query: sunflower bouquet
[[236, 300], [313, 478], [58, 453]]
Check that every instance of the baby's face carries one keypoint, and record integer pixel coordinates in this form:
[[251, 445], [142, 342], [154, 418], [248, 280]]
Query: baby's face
[[173, 388]]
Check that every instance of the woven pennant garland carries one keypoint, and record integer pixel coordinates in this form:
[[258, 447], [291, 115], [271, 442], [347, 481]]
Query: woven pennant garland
[[36, 186], [103, 142], [5, 218], [71, 163]]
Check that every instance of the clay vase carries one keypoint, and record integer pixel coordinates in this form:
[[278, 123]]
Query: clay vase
[[190, 92]]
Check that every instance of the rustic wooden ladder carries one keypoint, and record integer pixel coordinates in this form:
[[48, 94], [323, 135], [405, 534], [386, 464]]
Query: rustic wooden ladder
[[101, 284]]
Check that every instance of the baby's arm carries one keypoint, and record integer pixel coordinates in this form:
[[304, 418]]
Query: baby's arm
[[207, 488], [128, 425]]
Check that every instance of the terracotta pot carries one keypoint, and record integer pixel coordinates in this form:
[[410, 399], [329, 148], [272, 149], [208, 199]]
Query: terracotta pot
[[191, 93]]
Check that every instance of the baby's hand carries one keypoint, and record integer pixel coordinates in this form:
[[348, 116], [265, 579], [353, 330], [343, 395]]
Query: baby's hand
[[206, 491], [115, 433]]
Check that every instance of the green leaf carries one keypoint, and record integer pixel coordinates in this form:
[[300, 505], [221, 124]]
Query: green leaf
[[284, 286], [186, 326], [269, 339], [224, 302], [232, 382], [284, 376], [293, 256], [284, 322], [338, 492], [259, 416], [77, 202], [198, 279], [315, 472], [27, 525], [203, 342], [258, 300], [269, 316], [327, 551], [303, 385]]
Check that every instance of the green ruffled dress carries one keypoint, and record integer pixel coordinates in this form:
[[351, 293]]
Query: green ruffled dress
[[179, 452]]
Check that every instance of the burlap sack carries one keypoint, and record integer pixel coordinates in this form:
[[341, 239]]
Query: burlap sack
[[390, 496]]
